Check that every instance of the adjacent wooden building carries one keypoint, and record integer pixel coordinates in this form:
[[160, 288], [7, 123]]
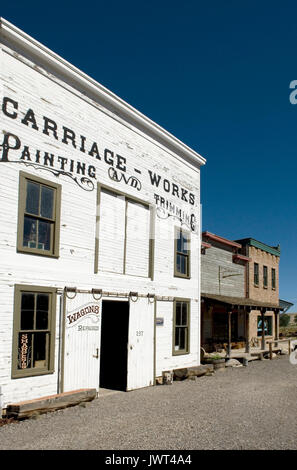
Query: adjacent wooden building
[[100, 233], [239, 292]]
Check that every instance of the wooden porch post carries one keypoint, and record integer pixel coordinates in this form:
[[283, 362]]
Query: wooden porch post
[[229, 333], [247, 331], [276, 316], [263, 329]]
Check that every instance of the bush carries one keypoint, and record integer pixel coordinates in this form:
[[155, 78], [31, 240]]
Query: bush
[[284, 319]]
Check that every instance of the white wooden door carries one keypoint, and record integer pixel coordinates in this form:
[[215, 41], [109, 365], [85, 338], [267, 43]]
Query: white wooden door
[[141, 344], [82, 342]]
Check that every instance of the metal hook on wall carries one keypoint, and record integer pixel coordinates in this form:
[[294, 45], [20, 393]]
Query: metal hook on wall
[[151, 298], [95, 292], [70, 289], [133, 294]]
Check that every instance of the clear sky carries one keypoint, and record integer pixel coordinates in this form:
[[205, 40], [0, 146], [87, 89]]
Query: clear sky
[[216, 74]]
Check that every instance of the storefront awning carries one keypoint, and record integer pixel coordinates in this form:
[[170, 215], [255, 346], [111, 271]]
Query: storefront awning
[[241, 302]]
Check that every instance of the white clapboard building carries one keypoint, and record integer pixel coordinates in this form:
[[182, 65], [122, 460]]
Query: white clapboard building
[[100, 223]]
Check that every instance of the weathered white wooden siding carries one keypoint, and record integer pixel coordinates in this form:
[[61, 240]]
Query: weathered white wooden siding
[[47, 95], [219, 274]]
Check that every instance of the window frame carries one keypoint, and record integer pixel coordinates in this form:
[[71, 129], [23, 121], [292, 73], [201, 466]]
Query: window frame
[[265, 276], [187, 275], [50, 344], [256, 274], [55, 230], [273, 278], [269, 320], [185, 351]]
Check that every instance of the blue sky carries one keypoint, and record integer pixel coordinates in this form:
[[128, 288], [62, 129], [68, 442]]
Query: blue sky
[[216, 75]]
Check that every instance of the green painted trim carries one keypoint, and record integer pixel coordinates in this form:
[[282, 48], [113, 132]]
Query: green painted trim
[[50, 353], [187, 350], [55, 228], [63, 342], [96, 260], [264, 247], [155, 342]]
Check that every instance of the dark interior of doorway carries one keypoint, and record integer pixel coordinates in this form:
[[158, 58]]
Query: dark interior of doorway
[[114, 342]]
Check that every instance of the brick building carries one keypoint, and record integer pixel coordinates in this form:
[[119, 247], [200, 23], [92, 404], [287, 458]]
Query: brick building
[[239, 292], [262, 286]]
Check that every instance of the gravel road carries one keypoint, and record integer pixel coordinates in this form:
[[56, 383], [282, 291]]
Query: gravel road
[[252, 407]]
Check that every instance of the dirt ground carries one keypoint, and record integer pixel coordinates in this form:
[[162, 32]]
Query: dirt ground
[[245, 408]]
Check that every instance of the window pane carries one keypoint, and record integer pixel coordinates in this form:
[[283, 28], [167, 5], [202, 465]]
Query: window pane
[[183, 268], [44, 235], [184, 244], [181, 264], [32, 201], [179, 242], [27, 312], [42, 311], [184, 314], [47, 202], [29, 238], [178, 263], [39, 359], [182, 338], [24, 350], [178, 313], [176, 345]]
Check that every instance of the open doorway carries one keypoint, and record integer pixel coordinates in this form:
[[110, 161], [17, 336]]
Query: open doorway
[[114, 344]]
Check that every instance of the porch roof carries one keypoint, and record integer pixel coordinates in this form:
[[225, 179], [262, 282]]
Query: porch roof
[[241, 301]]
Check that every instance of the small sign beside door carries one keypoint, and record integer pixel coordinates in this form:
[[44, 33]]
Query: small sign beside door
[[90, 310]]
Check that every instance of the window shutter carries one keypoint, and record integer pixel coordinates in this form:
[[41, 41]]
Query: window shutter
[[137, 239], [111, 232]]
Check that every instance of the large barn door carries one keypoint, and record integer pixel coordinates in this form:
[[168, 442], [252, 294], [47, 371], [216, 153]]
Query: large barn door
[[141, 344], [82, 342]]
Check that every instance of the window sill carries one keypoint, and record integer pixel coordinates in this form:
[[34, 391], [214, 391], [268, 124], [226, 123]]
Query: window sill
[[33, 373], [180, 353], [181, 276], [37, 253]]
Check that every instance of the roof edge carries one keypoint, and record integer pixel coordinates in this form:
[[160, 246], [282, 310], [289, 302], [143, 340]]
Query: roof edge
[[261, 245], [35, 48], [220, 239]]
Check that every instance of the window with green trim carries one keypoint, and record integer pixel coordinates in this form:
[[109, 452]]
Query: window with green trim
[[256, 274], [39, 216], [265, 276], [273, 278], [34, 331], [182, 253], [181, 327]]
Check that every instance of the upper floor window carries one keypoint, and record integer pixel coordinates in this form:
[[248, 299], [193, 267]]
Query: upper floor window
[[256, 274], [182, 253], [273, 278], [265, 276], [39, 216]]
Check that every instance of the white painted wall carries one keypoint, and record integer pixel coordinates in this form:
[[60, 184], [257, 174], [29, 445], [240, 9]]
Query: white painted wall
[[47, 95]]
